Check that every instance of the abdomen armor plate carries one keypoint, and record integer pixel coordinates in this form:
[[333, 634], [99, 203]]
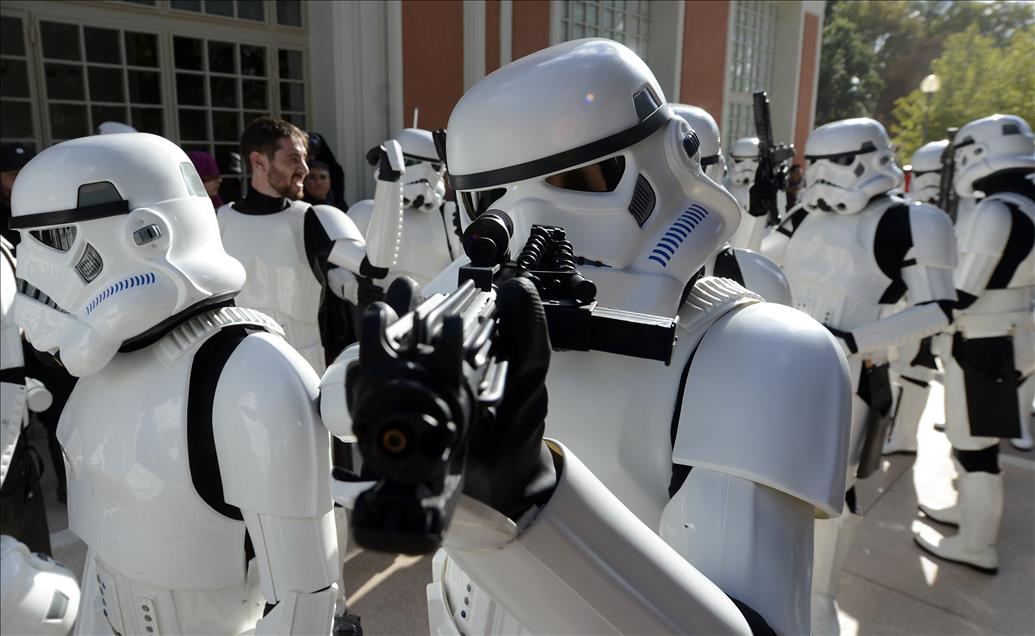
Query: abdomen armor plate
[[832, 269]]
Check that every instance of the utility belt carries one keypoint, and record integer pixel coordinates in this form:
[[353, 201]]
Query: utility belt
[[990, 381], [974, 326]]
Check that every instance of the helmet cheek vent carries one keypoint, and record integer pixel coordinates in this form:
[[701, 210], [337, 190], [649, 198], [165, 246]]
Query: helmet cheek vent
[[89, 265], [859, 169], [643, 201]]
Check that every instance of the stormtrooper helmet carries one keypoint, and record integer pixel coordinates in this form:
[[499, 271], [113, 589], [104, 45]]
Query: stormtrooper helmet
[[744, 154], [712, 161], [118, 243], [991, 145], [579, 135], [849, 162], [927, 171], [424, 185]]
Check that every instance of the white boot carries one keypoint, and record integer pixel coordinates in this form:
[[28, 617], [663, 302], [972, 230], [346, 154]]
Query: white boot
[[981, 509], [1025, 441], [911, 404], [832, 540]]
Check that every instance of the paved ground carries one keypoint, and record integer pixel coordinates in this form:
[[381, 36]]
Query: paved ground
[[888, 586]]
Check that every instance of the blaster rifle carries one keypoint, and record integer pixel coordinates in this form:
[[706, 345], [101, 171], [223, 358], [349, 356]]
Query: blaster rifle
[[430, 377], [772, 158], [948, 200]]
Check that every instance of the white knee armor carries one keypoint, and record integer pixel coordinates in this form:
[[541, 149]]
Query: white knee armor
[[625, 181], [122, 276], [429, 241]]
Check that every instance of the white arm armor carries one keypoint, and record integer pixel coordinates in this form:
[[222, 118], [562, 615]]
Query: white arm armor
[[584, 564], [384, 230], [360, 213], [763, 276], [785, 359], [349, 247], [928, 282], [982, 239], [275, 459], [334, 407], [749, 233]]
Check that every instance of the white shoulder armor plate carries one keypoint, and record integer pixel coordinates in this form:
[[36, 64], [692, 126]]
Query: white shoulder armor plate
[[767, 399], [337, 224], [934, 237], [360, 213], [763, 276], [266, 426]]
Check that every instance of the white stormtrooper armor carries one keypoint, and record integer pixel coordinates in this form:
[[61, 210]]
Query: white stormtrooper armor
[[289, 247], [12, 365], [927, 172], [37, 595], [750, 269], [712, 162], [993, 351], [429, 239], [122, 276], [848, 253], [913, 364], [752, 229], [624, 179]]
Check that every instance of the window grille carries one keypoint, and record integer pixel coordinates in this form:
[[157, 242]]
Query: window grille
[[751, 64], [625, 22]]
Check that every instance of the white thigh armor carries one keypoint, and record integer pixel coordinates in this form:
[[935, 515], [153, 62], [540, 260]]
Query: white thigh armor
[[141, 478], [280, 282], [428, 245]]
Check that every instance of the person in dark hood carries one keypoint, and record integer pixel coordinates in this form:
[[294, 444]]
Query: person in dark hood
[[207, 169], [320, 151], [318, 185]]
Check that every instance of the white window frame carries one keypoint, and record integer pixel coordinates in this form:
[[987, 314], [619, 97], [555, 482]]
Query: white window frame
[[84, 64], [751, 65], [169, 23], [574, 27], [31, 71]]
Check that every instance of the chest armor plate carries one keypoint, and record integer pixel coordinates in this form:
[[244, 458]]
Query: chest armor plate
[[280, 282], [832, 270], [424, 251], [131, 497]]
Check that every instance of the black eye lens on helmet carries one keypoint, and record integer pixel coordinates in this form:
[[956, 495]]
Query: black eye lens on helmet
[[59, 238], [478, 202], [603, 176]]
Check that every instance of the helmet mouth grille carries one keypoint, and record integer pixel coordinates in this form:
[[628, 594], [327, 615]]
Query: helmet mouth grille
[[643, 200]]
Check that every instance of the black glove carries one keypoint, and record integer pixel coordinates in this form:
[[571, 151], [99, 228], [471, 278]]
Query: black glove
[[762, 195], [368, 291], [508, 465]]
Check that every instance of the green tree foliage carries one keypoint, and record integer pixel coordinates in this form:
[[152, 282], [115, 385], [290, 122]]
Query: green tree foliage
[[979, 77], [848, 80], [905, 38]]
